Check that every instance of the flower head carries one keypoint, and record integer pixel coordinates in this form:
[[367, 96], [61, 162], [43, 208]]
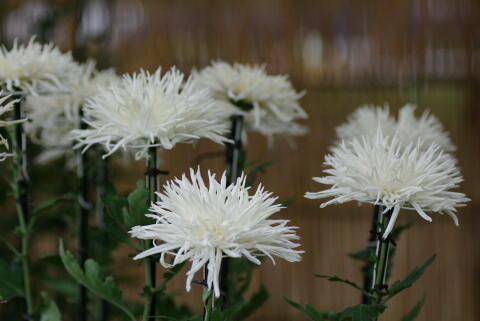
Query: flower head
[[53, 117], [269, 103], [146, 110], [381, 171], [203, 223], [35, 68], [6, 105], [408, 128]]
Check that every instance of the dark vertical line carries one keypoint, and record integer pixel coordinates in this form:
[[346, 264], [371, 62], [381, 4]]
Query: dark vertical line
[[102, 182], [235, 163], [84, 207], [152, 182], [23, 177], [371, 246]]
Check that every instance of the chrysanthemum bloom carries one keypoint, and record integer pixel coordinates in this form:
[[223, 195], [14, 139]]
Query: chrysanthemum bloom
[[408, 128], [203, 224], [53, 117], [6, 105], [145, 110], [35, 68], [427, 128], [269, 103], [381, 171]]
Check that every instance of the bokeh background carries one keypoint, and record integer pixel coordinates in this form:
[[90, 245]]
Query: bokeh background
[[343, 54]]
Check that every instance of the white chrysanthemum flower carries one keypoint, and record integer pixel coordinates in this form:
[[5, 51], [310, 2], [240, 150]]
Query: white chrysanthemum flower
[[427, 128], [203, 224], [408, 128], [269, 103], [6, 105], [53, 117], [364, 122], [145, 110], [35, 68], [381, 171]]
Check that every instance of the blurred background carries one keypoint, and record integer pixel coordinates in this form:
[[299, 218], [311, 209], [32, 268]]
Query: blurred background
[[344, 54]]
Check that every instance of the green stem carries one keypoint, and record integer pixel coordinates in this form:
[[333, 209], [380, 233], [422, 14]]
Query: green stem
[[20, 176], [149, 284]]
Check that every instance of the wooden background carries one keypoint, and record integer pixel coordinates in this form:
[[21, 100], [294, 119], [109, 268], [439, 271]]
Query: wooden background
[[344, 54]]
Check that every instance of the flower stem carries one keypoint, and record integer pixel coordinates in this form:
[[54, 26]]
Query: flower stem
[[84, 208], [152, 182], [21, 190], [371, 246], [235, 157], [382, 249]]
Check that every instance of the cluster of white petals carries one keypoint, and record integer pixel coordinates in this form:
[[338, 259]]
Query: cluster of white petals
[[203, 224], [145, 110], [382, 171], [268, 102], [408, 128], [36, 68], [6, 105], [53, 117]]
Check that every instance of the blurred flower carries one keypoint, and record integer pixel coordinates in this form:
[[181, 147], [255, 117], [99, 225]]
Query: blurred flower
[[409, 129], [269, 103], [426, 128], [35, 68], [53, 117], [381, 171], [365, 121], [6, 105], [205, 223], [145, 110]]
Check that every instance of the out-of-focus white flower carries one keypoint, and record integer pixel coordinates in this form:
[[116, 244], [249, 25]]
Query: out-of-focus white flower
[[145, 110], [365, 121], [427, 128], [269, 103], [53, 117], [408, 128], [6, 105], [380, 170], [203, 224], [35, 68]]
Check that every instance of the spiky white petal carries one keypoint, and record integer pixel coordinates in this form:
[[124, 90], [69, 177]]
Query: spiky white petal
[[200, 223], [427, 128], [380, 170], [269, 102], [6, 105], [146, 110], [35, 68], [408, 128], [53, 117]]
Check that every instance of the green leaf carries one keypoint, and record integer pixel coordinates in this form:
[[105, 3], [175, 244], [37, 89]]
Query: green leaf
[[337, 279], [90, 278], [137, 207], [363, 312], [309, 311], [11, 280], [415, 310], [48, 309], [256, 301], [51, 203], [366, 255], [399, 286], [260, 168], [113, 202]]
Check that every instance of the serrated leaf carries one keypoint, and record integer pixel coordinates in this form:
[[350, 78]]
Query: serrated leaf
[[137, 207], [366, 255], [337, 279], [309, 311], [113, 201], [11, 280], [90, 278], [363, 312], [51, 203], [407, 282], [48, 310], [414, 311]]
